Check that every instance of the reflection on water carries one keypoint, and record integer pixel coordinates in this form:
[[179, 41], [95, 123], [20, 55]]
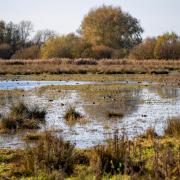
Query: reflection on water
[[142, 108]]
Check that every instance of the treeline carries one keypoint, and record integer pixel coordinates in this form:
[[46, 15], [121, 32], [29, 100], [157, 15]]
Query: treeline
[[105, 32], [166, 46], [16, 40]]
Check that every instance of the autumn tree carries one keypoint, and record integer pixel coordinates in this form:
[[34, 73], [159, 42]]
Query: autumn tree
[[111, 27], [145, 50], [167, 46], [66, 46]]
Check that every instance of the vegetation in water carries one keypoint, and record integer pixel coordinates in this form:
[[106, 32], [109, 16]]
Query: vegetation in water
[[23, 117]]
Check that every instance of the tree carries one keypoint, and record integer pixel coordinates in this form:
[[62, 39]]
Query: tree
[[2, 31], [12, 36], [145, 50], [25, 29], [110, 26], [42, 36], [167, 46]]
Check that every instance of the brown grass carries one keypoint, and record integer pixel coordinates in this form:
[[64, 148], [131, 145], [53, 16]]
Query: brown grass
[[84, 66], [173, 127]]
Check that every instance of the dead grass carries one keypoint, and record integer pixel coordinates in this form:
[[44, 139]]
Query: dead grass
[[23, 117], [173, 127], [85, 66]]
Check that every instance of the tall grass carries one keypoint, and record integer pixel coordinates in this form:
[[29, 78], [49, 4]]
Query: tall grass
[[50, 154], [71, 115], [173, 127]]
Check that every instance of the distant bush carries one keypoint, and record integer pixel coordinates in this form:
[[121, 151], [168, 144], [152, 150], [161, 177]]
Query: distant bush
[[120, 53], [145, 50], [167, 46], [70, 46], [5, 51], [27, 53], [102, 51]]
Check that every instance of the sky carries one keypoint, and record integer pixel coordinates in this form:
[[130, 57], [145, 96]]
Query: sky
[[65, 16]]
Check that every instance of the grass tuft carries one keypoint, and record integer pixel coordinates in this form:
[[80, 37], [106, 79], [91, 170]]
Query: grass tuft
[[22, 117], [72, 115], [50, 154], [173, 127]]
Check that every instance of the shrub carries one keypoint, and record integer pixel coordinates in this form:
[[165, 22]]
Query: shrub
[[114, 157], [69, 46], [173, 127], [102, 51], [5, 51], [119, 53], [145, 50], [22, 117], [27, 53]]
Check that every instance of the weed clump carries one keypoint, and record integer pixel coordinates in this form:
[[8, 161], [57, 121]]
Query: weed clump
[[173, 127], [72, 115], [114, 157], [23, 117]]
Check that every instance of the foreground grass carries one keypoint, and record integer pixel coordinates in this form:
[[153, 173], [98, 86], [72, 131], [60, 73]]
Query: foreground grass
[[148, 157]]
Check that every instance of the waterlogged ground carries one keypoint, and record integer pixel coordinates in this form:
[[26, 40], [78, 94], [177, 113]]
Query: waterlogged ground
[[143, 105]]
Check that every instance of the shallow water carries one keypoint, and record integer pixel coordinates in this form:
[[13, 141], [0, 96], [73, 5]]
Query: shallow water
[[26, 85], [142, 108]]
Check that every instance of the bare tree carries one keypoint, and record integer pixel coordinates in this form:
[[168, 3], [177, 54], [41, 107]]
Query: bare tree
[[42, 36], [25, 30]]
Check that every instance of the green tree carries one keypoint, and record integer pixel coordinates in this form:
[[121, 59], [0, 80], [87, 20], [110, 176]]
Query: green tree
[[111, 27], [167, 46]]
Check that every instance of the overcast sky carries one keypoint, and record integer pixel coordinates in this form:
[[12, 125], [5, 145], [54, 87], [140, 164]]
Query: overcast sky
[[65, 16]]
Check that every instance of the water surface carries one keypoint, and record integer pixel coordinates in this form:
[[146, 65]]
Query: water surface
[[142, 108]]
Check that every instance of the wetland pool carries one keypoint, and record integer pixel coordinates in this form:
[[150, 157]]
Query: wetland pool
[[142, 107]]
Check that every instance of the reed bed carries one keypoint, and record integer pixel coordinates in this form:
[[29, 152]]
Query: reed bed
[[84, 66]]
